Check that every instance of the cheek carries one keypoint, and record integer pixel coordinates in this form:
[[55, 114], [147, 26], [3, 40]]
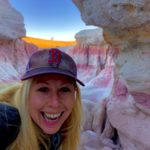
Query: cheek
[[70, 103], [34, 106], [34, 103]]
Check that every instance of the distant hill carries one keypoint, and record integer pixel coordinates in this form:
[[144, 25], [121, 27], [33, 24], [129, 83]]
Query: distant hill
[[41, 43]]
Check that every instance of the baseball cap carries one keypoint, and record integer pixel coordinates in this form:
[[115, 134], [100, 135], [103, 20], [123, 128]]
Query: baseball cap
[[51, 61]]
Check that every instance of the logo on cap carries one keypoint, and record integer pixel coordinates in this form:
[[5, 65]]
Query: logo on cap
[[54, 57]]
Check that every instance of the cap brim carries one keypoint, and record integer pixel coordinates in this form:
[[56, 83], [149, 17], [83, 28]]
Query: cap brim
[[46, 70]]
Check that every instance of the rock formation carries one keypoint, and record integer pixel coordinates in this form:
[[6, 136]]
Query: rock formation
[[11, 22], [126, 27], [14, 55], [94, 63], [93, 57], [90, 53], [90, 37], [14, 52]]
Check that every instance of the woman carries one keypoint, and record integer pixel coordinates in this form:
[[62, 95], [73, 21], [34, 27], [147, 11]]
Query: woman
[[49, 104]]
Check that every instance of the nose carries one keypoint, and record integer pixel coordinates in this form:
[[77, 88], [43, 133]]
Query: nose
[[53, 99]]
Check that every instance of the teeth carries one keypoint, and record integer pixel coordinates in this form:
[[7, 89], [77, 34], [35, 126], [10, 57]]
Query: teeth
[[52, 116]]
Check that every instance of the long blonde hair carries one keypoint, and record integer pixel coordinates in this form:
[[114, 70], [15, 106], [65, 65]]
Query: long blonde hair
[[30, 136]]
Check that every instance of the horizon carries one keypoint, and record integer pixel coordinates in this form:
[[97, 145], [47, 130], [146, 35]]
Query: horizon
[[49, 39]]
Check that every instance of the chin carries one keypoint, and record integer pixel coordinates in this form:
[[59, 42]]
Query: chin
[[50, 131]]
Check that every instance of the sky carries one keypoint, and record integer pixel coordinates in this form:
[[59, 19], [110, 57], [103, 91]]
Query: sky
[[50, 19]]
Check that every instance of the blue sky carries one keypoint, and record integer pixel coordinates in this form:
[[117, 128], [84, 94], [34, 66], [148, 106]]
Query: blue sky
[[46, 19]]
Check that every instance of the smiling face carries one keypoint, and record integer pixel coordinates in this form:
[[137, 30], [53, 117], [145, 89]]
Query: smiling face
[[51, 100]]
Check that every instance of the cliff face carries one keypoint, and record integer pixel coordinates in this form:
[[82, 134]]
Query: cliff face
[[90, 53], [14, 55], [94, 62], [14, 52], [126, 27]]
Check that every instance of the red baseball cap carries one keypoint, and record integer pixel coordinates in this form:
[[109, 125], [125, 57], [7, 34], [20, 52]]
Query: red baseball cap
[[51, 61]]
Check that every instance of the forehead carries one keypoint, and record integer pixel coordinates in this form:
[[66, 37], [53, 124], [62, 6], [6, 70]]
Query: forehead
[[57, 77]]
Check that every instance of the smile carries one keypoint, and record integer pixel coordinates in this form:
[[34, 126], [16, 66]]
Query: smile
[[51, 116]]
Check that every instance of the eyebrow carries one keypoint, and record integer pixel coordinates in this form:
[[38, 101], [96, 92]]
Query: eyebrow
[[40, 82], [63, 83]]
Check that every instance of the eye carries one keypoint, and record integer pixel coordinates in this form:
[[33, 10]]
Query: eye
[[43, 89], [65, 89]]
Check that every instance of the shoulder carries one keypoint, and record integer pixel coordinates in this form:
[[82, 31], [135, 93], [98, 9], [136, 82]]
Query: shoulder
[[10, 122]]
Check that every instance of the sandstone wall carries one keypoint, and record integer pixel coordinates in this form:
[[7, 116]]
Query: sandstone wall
[[14, 55], [94, 62], [126, 27], [90, 53]]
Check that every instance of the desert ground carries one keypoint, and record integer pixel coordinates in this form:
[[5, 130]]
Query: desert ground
[[41, 43]]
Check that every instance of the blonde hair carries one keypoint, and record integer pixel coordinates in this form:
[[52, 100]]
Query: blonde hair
[[30, 135]]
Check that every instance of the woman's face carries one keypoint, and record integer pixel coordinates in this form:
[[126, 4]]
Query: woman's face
[[51, 100]]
